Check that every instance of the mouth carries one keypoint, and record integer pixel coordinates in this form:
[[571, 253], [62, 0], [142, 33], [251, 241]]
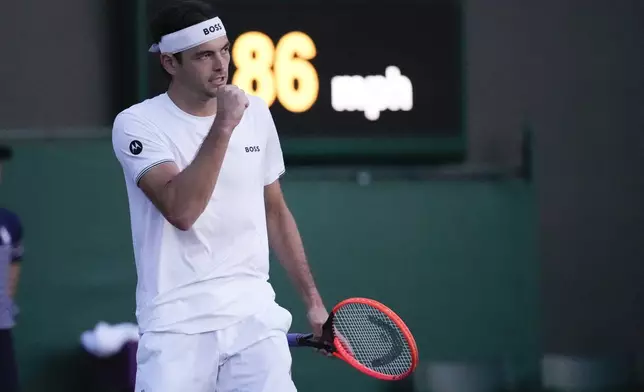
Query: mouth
[[219, 80]]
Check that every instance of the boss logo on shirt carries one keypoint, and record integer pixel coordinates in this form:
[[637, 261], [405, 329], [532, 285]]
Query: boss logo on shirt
[[136, 147], [252, 149], [212, 29]]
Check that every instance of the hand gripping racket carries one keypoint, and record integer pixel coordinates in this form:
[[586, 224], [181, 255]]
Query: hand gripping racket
[[368, 336]]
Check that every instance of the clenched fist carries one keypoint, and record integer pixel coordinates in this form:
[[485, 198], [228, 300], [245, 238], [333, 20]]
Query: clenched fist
[[231, 104]]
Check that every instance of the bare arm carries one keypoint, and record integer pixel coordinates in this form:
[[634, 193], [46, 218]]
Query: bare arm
[[14, 274], [285, 240], [182, 196]]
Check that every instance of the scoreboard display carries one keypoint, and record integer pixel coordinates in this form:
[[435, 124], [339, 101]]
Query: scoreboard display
[[350, 80]]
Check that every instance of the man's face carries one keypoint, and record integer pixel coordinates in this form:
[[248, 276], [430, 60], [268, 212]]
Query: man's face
[[204, 68]]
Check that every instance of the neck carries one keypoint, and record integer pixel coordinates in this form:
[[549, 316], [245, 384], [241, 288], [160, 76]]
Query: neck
[[191, 102]]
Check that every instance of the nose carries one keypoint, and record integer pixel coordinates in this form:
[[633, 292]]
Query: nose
[[218, 62]]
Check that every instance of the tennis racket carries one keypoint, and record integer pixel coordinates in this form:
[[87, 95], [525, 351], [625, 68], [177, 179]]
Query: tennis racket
[[368, 336]]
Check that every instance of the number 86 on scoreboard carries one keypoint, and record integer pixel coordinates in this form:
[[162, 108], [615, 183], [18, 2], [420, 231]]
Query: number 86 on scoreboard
[[271, 72]]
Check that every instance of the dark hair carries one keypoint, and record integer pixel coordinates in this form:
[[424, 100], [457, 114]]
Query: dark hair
[[178, 15], [6, 153]]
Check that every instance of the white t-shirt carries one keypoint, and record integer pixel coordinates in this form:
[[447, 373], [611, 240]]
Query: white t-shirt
[[216, 273]]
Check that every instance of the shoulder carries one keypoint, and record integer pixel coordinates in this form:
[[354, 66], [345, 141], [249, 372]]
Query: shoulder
[[260, 113], [140, 123], [257, 106], [261, 116], [138, 116]]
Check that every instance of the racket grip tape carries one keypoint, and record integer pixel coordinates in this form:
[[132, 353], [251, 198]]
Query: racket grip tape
[[297, 339]]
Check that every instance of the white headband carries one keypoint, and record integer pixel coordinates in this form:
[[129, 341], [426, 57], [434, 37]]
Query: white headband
[[190, 37]]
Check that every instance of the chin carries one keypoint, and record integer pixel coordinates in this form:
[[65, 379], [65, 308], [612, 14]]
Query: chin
[[210, 90]]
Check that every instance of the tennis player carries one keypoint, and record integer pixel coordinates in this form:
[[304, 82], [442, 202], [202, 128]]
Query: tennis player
[[11, 233], [202, 163]]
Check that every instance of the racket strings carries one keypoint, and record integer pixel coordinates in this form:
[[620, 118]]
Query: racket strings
[[373, 339]]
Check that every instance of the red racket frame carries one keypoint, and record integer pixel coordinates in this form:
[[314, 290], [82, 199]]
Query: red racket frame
[[342, 354]]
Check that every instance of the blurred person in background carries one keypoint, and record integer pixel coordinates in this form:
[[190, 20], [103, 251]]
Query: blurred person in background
[[205, 308], [11, 250]]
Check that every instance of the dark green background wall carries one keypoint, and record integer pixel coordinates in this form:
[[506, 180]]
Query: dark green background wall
[[456, 259]]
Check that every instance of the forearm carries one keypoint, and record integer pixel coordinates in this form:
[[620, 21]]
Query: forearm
[[286, 242], [188, 193], [14, 274]]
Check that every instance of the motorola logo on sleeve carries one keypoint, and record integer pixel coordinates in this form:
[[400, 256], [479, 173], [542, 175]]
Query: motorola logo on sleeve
[[136, 147]]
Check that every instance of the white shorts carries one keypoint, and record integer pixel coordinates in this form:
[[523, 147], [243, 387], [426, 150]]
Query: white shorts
[[250, 356]]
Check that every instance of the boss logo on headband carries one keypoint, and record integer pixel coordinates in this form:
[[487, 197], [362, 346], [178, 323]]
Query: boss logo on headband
[[212, 29]]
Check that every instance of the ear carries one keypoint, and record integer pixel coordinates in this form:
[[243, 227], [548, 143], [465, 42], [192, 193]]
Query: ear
[[169, 63]]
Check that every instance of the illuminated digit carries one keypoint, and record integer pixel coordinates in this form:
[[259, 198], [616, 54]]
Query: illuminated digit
[[291, 55], [253, 55]]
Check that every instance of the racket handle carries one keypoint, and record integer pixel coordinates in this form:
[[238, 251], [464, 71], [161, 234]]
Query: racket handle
[[306, 340], [296, 339]]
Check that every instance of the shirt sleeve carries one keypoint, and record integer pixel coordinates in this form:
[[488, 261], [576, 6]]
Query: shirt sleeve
[[138, 146], [274, 158]]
